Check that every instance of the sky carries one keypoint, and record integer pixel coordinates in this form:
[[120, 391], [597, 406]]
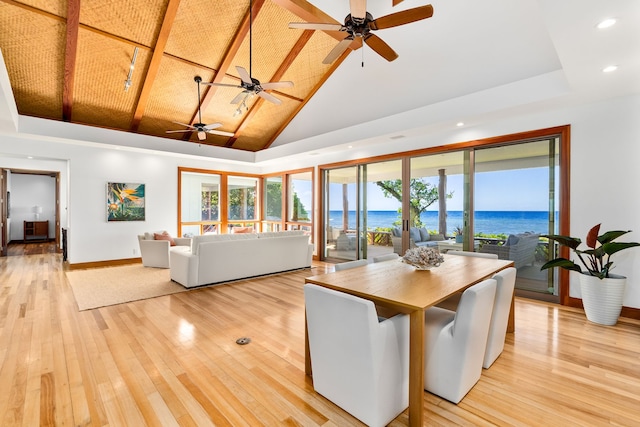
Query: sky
[[507, 190]]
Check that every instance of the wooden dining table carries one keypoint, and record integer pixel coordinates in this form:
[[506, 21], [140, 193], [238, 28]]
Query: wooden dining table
[[399, 287]]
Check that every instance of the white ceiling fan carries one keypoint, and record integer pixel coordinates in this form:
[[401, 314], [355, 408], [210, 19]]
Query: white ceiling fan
[[200, 128], [251, 86]]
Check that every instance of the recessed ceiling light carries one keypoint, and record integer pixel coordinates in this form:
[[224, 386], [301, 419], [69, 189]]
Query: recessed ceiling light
[[606, 23], [609, 69], [350, 146], [460, 124], [29, 157]]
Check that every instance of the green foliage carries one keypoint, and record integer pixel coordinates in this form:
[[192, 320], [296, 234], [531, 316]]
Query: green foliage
[[273, 206], [423, 195], [597, 258]]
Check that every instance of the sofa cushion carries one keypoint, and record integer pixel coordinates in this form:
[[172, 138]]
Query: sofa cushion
[[197, 240], [437, 237], [164, 236], [424, 235], [415, 234], [396, 232], [512, 240]]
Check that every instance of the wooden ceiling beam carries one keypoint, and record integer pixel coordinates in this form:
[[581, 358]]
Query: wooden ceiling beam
[[70, 54], [154, 65]]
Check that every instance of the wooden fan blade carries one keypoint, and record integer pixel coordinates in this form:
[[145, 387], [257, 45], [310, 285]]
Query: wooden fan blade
[[358, 8], [220, 132], [275, 85], [269, 97], [244, 75], [337, 50], [401, 18], [212, 126], [383, 49], [315, 26], [176, 131]]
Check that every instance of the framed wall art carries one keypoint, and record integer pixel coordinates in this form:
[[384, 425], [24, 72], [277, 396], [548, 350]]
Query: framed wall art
[[125, 201]]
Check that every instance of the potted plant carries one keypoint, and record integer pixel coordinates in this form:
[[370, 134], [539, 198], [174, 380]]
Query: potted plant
[[602, 292], [457, 233]]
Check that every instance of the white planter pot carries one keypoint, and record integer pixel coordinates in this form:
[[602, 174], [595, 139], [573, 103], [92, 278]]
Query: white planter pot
[[602, 298]]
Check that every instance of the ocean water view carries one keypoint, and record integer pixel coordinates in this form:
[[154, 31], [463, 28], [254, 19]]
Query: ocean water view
[[487, 222]]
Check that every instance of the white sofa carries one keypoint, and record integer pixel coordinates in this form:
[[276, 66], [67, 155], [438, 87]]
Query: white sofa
[[155, 253], [223, 257]]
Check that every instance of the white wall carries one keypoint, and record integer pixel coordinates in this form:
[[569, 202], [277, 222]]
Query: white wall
[[604, 175], [28, 191]]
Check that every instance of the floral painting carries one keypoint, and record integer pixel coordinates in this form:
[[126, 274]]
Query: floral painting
[[125, 202]]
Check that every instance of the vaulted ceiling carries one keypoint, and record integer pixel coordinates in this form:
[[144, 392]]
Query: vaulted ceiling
[[69, 60]]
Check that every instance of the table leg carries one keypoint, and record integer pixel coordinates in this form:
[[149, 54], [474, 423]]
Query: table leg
[[416, 368], [307, 353]]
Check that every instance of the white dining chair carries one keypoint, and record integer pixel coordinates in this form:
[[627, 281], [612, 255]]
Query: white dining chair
[[358, 363], [455, 342], [472, 254], [351, 264], [386, 257], [505, 285]]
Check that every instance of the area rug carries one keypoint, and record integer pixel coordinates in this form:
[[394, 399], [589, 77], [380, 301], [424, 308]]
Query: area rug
[[101, 287]]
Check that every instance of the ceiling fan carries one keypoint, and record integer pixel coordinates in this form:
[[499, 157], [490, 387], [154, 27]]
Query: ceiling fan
[[249, 85], [359, 24], [200, 128]]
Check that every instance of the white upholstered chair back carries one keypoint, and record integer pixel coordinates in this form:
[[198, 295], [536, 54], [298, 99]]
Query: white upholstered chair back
[[505, 284], [358, 363], [455, 342], [351, 264], [472, 254]]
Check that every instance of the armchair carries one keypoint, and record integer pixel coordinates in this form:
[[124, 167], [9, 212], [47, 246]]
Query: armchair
[[519, 248], [358, 363], [155, 253]]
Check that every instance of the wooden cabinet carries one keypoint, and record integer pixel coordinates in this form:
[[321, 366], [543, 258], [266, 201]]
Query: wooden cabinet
[[36, 230]]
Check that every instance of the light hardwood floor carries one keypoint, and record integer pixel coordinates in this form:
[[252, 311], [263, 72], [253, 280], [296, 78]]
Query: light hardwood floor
[[174, 361]]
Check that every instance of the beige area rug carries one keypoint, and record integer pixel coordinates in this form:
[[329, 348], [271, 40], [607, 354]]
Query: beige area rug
[[100, 287]]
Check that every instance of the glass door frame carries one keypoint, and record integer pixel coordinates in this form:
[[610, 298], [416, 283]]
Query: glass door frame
[[563, 133]]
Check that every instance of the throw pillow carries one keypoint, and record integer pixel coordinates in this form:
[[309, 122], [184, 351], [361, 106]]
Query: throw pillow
[[424, 234], [396, 232], [164, 236], [415, 234], [238, 230]]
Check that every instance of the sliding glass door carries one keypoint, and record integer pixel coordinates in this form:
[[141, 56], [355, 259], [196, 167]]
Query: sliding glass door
[[515, 199]]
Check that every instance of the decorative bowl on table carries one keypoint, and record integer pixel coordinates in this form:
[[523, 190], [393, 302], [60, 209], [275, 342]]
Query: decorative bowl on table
[[423, 258]]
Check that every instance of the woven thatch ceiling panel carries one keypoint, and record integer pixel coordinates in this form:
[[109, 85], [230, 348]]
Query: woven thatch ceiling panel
[[136, 21], [99, 95], [272, 41], [33, 48], [55, 7], [307, 69], [264, 124], [177, 40], [174, 96], [213, 23]]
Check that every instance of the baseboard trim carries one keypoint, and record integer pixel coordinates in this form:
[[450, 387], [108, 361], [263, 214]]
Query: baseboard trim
[[109, 263]]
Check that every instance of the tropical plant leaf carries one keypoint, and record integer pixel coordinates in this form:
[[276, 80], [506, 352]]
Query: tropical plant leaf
[[592, 236], [562, 263], [613, 247], [571, 242], [611, 235]]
